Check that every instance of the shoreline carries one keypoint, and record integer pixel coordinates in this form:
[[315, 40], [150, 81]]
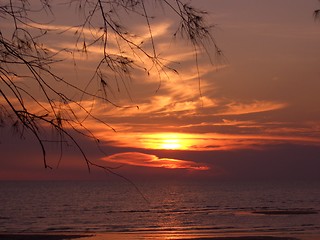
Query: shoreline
[[154, 235], [43, 236]]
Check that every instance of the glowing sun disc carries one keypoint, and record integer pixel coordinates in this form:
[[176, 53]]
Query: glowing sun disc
[[167, 141], [170, 144]]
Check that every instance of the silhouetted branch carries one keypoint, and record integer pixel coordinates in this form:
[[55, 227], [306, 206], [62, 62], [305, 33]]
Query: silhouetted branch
[[316, 15], [24, 56]]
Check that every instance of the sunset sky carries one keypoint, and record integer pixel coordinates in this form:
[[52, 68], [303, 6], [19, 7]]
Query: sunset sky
[[257, 115]]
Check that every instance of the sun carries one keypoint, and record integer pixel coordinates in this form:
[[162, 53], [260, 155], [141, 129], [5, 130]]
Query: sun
[[171, 144], [167, 141]]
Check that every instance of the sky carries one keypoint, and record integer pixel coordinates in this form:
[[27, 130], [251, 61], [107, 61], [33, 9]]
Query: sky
[[255, 117]]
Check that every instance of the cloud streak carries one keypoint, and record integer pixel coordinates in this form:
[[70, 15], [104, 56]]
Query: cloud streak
[[253, 107], [149, 160]]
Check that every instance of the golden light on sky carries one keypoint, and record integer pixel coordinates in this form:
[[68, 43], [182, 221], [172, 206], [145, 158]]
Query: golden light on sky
[[263, 95], [207, 141]]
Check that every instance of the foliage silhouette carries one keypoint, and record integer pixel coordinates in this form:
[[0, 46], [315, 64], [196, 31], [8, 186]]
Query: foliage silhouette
[[26, 60]]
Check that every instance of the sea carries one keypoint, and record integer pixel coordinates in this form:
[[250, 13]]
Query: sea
[[180, 208]]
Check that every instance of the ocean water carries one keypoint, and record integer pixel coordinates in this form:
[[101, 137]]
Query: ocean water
[[209, 208]]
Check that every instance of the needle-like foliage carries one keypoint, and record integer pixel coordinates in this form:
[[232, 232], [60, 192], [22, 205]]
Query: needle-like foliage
[[26, 60]]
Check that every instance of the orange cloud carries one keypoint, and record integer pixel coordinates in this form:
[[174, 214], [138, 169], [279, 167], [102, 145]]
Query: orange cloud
[[148, 160], [254, 107], [201, 141]]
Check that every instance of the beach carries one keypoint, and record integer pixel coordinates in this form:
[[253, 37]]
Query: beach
[[123, 236]]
